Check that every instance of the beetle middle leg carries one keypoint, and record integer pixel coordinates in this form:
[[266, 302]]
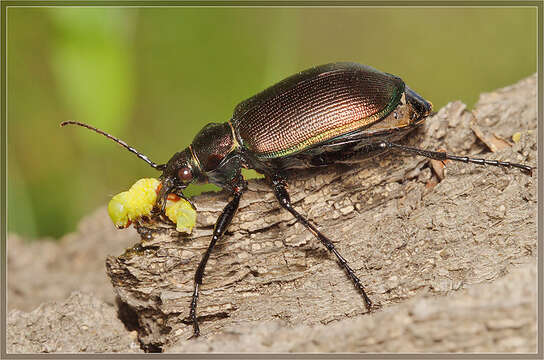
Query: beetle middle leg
[[219, 229], [279, 186]]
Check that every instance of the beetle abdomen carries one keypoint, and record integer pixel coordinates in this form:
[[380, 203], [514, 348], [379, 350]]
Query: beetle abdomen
[[314, 106]]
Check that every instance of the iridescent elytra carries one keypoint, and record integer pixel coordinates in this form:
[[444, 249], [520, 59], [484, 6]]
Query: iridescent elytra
[[317, 117]]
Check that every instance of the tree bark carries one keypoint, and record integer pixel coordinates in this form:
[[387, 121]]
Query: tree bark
[[406, 233]]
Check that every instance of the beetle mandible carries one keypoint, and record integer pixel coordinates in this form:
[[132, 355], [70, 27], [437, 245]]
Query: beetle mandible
[[317, 117]]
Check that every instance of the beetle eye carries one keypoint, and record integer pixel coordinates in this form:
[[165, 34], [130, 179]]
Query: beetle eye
[[185, 175]]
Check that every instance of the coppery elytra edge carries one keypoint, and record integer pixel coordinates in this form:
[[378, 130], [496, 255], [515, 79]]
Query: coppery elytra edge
[[318, 117]]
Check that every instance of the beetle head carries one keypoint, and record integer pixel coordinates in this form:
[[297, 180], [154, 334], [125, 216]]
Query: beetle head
[[181, 170]]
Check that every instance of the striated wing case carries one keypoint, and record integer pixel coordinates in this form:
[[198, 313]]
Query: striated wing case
[[314, 106]]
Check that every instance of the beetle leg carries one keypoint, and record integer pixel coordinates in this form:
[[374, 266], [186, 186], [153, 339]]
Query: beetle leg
[[219, 229], [437, 155], [279, 186]]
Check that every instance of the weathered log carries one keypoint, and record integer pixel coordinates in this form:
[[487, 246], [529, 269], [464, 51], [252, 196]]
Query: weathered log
[[454, 323], [405, 233]]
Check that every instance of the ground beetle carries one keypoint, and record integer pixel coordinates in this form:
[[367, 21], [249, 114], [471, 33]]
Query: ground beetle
[[317, 117]]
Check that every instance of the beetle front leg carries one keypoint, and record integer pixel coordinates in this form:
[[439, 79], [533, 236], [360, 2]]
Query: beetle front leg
[[279, 186], [219, 229]]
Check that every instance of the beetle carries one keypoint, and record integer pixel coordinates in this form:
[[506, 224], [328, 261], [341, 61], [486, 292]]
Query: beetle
[[317, 117]]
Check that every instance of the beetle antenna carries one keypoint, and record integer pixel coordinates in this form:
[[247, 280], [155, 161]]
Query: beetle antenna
[[119, 141]]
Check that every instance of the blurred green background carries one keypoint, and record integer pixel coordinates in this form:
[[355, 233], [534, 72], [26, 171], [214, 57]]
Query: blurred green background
[[155, 76]]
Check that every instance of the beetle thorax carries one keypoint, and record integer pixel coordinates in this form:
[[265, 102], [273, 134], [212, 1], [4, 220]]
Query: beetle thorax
[[212, 144]]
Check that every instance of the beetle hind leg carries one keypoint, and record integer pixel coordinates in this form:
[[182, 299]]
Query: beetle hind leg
[[442, 156], [279, 186]]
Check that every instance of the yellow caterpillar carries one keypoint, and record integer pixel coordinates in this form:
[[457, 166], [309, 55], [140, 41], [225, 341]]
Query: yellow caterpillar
[[138, 201]]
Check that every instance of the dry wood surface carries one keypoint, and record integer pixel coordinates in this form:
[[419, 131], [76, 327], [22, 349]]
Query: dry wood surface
[[448, 254], [405, 233]]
